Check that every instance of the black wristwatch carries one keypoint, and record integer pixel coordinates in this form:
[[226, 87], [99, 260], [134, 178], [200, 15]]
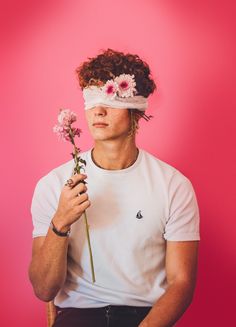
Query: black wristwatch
[[63, 234]]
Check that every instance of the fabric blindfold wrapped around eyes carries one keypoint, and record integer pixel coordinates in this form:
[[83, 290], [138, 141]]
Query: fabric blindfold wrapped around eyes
[[94, 96]]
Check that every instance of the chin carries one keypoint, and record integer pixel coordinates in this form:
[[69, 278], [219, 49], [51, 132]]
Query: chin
[[99, 136]]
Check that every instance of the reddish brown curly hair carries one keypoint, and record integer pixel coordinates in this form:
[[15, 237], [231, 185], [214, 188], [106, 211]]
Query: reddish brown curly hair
[[110, 63]]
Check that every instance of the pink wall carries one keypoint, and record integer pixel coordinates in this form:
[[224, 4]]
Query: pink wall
[[189, 46]]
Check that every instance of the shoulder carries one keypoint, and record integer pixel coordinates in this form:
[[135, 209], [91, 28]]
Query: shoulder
[[164, 167], [172, 177]]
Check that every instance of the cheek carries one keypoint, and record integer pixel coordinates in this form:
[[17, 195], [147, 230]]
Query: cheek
[[121, 117], [121, 125], [88, 117]]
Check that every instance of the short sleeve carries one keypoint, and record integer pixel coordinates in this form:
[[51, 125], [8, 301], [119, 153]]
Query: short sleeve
[[44, 203], [184, 221]]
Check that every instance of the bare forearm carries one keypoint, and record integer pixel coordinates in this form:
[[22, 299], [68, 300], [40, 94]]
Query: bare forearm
[[48, 267], [170, 307]]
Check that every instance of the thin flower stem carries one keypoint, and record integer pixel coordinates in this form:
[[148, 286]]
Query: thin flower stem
[[89, 245], [77, 169]]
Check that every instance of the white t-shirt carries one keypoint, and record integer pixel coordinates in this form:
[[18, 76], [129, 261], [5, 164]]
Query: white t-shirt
[[133, 212]]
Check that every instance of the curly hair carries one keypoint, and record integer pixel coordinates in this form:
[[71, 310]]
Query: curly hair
[[110, 63]]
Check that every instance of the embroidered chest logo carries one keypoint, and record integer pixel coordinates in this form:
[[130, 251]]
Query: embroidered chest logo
[[139, 215]]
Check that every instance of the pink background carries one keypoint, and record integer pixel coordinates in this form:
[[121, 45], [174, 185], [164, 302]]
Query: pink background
[[190, 48]]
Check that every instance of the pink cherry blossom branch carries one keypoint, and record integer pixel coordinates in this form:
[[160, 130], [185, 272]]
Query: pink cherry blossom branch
[[67, 133]]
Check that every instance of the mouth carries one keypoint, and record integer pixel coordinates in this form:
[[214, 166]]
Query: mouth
[[100, 125]]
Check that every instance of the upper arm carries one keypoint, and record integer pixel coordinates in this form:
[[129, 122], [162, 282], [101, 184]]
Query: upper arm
[[44, 204], [181, 262], [183, 220]]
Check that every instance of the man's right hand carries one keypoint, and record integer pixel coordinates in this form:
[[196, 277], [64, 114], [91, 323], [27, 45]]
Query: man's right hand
[[73, 202]]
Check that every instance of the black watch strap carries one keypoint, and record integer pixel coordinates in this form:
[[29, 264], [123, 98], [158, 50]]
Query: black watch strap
[[57, 232]]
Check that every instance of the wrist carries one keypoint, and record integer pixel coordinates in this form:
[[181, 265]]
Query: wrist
[[58, 228]]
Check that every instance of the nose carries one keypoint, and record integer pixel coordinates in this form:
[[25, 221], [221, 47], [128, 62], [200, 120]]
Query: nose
[[99, 111]]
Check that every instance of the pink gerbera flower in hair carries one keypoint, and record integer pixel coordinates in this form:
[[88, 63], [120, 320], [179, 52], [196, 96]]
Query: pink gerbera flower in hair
[[126, 85], [110, 88]]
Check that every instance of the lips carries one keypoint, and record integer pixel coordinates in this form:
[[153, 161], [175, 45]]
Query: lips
[[100, 124]]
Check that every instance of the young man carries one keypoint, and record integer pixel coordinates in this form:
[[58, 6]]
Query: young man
[[143, 215]]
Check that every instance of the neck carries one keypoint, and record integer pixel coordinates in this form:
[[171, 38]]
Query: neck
[[116, 156]]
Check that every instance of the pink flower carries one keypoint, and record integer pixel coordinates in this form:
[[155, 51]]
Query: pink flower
[[110, 89], [76, 131], [61, 132], [122, 85], [66, 117], [64, 129], [126, 85]]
